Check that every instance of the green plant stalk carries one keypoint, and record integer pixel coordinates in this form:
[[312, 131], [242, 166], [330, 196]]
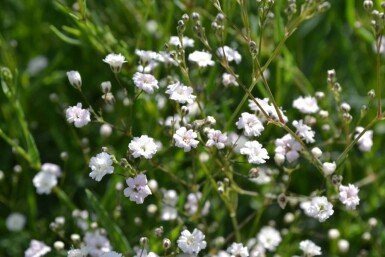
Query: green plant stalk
[[15, 146], [378, 68]]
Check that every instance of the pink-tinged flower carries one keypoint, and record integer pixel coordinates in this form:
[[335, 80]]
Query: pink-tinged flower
[[137, 189], [216, 138], [287, 147], [349, 196]]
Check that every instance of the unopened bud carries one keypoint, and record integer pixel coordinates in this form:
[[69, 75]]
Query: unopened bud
[[166, 243], [368, 5], [143, 241]]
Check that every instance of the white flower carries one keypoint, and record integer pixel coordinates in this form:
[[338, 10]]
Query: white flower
[[96, 243], [236, 142], [287, 147], [306, 104], [328, 168], [146, 82], [74, 79], [143, 146], [228, 80], [216, 138], [250, 123], [185, 139], [52, 168], [186, 41], [256, 153], [268, 108], [349, 196], [304, 131], [365, 142], [320, 208], [180, 93], [146, 56], [82, 252], [269, 238], [192, 243], [78, 116], [264, 176], [112, 254], [44, 181], [115, 61], [238, 250], [168, 211], [166, 58], [15, 222], [37, 64], [137, 188], [37, 249], [203, 59], [309, 248], [222, 254], [192, 205], [231, 54], [316, 152], [101, 165]]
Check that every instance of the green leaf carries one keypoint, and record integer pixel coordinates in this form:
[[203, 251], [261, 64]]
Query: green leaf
[[118, 239]]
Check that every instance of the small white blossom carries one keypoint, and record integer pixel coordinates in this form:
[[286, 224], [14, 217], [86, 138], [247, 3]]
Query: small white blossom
[[37, 64], [328, 168], [192, 204], [316, 152], [15, 222], [365, 142], [287, 147], [115, 61], [168, 211], [185, 139], [137, 188], [255, 152], [320, 208], [268, 108], [52, 168], [238, 250], [37, 249], [203, 59], [101, 165], [180, 93], [75, 79], [96, 243], [146, 82], [304, 131], [216, 138], [191, 243], [186, 41], [306, 104], [143, 146], [309, 248], [146, 56], [78, 116], [250, 123], [228, 80], [269, 238], [44, 181], [82, 252], [349, 196], [231, 54]]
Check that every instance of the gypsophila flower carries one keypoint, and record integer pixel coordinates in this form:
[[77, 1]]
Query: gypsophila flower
[[250, 123], [304, 131], [306, 104], [146, 56], [203, 59], [115, 61], [238, 250], [288, 148], [256, 249], [268, 108], [101, 165], [37, 64], [255, 152], [52, 168], [185, 139], [44, 181], [186, 41], [191, 243], [37, 249], [309, 248], [15, 222], [228, 80], [269, 238], [180, 93], [146, 82], [96, 243], [75, 79], [349, 196], [82, 252], [320, 208], [365, 142], [169, 211], [216, 138], [328, 168], [78, 116], [112, 254], [231, 54], [143, 146], [193, 204], [165, 58], [137, 188]]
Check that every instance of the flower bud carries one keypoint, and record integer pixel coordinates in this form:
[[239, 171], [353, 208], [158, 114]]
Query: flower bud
[[368, 5], [74, 79], [166, 243]]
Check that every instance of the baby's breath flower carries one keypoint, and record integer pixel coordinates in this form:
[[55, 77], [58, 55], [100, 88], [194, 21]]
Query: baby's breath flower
[[15, 222], [309, 248], [203, 59], [269, 238], [287, 147], [101, 165], [320, 208], [180, 93], [250, 123], [187, 42], [146, 82], [228, 80], [238, 250], [304, 131], [143, 146], [97, 244], [192, 204], [44, 181], [82, 252], [231, 54], [37, 249], [365, 142], [74, 79], [185, 139], [216, 138], [192, 243], [328, 168], [78, 116], [115, 61], [137, 188], [349, 196], [306, 104], [255, 152]]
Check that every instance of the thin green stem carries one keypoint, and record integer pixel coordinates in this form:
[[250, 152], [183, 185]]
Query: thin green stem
[[378, 68]]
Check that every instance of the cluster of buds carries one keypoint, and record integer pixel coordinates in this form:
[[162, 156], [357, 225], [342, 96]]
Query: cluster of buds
[[198, 28], [291, 8], [217, 25], [313, 7], [378, 20], [333, 84]]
